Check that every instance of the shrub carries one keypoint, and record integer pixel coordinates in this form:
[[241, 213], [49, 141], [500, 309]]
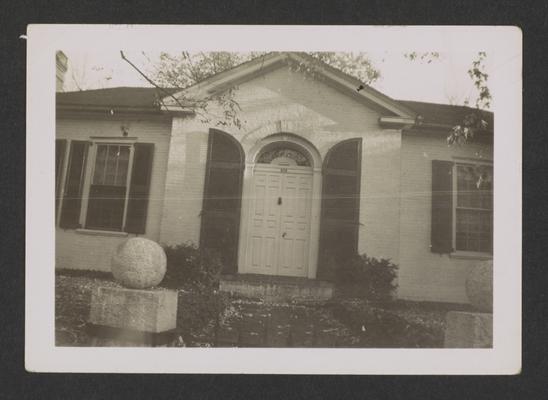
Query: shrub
[[367, 277], [189, 266]]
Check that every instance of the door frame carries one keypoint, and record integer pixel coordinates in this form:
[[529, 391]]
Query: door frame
[[316, 191]]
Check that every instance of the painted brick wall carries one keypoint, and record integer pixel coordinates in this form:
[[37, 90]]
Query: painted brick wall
[[286, 101], [78, 250], [424, 275]]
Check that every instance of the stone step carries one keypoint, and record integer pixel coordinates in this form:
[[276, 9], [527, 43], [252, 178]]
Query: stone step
[[276, 289]]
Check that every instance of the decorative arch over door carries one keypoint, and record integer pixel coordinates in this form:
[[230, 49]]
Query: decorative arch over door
[[222, 198], [339, 226]]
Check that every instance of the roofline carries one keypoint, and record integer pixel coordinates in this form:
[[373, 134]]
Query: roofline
[[111, 110], [228, 78]]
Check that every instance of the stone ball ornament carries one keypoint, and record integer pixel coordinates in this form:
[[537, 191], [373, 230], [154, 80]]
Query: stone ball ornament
[[479, 286], [139, 263]]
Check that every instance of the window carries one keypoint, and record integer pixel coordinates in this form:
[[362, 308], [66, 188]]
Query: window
[[108, 189], [107, 186], [474, 208], [462, 207], [283, 155]]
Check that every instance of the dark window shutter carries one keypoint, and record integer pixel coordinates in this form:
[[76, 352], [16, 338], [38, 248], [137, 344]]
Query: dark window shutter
[[339, 225], [442, 207], [60, 150], [72, 197], [139, 188], [222, 198]]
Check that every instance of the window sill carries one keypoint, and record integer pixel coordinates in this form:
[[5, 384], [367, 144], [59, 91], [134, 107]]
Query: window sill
[[95, 232], [471, 255]]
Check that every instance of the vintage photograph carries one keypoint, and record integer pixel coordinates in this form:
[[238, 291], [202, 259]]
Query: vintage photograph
[[274, 199]]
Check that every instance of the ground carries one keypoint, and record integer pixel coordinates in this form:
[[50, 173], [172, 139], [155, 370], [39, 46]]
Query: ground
[[221, 321]]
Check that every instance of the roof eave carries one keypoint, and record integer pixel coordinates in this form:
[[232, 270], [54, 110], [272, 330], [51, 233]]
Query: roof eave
[[109, 110]]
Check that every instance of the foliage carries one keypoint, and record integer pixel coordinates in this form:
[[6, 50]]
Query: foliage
[[189, 266], [428, 56], [357, 65], [185, 69], [202, 307], [364, 276], [474, 122]]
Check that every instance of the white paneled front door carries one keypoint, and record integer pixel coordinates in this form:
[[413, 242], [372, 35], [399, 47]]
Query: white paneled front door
[[279, 230]]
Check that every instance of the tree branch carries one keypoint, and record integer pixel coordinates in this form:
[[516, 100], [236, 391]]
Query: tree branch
[[168, 94]]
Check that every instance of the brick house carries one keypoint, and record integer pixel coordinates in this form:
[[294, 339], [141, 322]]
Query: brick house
[[318, 169]]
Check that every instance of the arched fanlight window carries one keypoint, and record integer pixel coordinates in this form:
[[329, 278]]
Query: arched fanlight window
[[222, 198], [340, 204], [283, 154]]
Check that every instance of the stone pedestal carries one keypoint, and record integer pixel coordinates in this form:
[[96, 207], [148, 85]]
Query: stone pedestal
[[130, 317], [468, 330]]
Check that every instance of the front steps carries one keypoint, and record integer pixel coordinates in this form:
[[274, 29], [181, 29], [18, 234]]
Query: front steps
[[277, 289]]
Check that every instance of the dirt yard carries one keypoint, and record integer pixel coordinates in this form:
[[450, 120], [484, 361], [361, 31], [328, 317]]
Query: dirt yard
[[246, 323]]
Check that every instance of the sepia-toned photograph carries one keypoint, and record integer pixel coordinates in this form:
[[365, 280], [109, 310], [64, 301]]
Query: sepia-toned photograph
[[274, 199]]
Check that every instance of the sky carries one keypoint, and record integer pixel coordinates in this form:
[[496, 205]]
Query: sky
[[443, 80]]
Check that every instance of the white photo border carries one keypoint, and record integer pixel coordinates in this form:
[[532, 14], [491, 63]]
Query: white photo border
[[503, 43]]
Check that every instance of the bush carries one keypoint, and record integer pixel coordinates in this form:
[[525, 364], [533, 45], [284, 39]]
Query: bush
[[189, 266], [367, 277]]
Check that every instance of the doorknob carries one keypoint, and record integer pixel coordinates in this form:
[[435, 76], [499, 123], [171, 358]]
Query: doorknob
[[283, 234], [279, 200]]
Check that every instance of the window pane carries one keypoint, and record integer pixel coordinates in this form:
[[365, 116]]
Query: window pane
[[283, 152], [474, 230], [98, 176], [111, 164], [474, 186], [123, 163], [106, 207]]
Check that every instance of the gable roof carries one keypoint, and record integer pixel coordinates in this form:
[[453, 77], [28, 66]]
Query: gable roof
[[263, 64]]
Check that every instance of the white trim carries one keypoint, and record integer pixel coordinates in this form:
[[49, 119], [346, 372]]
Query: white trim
[[128, 183], [397, 122], [97, 232], [471, 255]]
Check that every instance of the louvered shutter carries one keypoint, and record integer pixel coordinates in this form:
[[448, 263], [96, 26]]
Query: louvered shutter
[[72, 197], [222, 198], [442, 207], [139, 189], [339, 226], [60, 150]]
